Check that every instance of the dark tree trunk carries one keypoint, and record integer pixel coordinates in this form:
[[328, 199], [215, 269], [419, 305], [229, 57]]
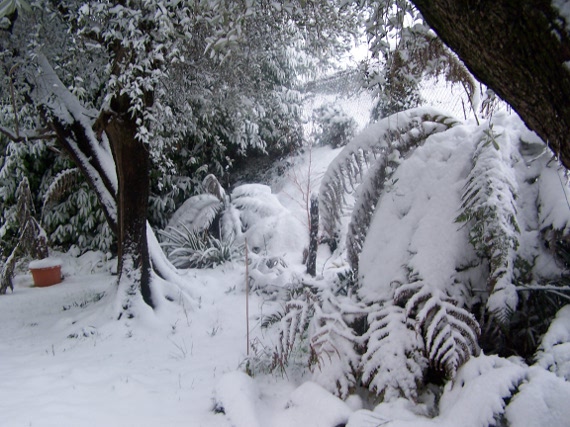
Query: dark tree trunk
[[518, 48], [133, 172], [313, 236]]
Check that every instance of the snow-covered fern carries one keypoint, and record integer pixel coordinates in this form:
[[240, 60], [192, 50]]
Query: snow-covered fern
[[293, 327], [400, 131], [450, 332], [334, 344], [375, 180], [226, 216], [489, 209], [394, 363], [64, 182]]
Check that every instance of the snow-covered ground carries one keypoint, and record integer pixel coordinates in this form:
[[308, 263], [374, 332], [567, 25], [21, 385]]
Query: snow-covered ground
[[65, 362]]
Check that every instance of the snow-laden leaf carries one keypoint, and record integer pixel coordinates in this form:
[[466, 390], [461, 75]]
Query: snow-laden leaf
[[490, 211], [394, 363], [450, 332]]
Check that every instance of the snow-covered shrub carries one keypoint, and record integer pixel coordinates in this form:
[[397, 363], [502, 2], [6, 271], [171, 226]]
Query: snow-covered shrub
[[67, 208], [467, 215], [32, 239], [250, 212], [191, 249], [335, 127]]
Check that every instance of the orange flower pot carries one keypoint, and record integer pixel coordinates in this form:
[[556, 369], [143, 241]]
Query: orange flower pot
[[46, 275]]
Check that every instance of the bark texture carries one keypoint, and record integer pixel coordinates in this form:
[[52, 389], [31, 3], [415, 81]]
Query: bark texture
[[518, 48], [133, 171]]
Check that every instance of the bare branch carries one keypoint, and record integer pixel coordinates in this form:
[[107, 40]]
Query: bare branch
[[40, 134]]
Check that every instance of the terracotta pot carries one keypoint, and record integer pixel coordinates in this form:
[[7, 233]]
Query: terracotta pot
[[46, 276]]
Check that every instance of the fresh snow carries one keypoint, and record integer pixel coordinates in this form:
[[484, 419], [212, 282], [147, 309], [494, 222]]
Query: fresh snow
[[65, 361], [44, 263]]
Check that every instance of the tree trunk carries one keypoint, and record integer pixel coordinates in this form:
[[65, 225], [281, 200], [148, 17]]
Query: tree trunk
[[313, 236], [518, 48], [133, 171]]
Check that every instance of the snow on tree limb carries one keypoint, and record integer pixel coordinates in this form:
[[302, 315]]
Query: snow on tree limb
[[74, 127]]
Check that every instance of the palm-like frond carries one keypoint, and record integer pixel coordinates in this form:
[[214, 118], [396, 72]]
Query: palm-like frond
[[489, 208], [394, 364], [450, 332], [197, 213], [400, 131]]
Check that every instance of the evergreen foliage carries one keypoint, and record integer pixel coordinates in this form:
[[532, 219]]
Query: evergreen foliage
[[404, 51], [190, 249], [32, 239], [334, 126]]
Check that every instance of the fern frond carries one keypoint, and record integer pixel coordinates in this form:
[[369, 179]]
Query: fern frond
[[293, 327], [450, 332], [394, 364], [212, 186], [489, 208], [400, 131], [333, 347], [197, 213]]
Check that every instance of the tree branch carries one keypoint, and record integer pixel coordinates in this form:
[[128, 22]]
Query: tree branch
[[20, 137]]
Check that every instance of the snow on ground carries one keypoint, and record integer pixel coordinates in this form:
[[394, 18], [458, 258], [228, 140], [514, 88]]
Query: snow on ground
[[65, 362]]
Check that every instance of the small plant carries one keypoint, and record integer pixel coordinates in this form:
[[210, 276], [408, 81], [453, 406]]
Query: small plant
[[190, 249]]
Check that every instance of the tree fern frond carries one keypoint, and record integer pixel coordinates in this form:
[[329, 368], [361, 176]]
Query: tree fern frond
[[333, 346], [489, 208], [374, 146], [394, 364], [293, 327], [450, 333], [212, 186]]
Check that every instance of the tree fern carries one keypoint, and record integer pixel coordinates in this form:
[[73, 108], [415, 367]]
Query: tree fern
[[375, 180], [334, 349], [489, 209], [394, 364], [348, 170], [450, 332]]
